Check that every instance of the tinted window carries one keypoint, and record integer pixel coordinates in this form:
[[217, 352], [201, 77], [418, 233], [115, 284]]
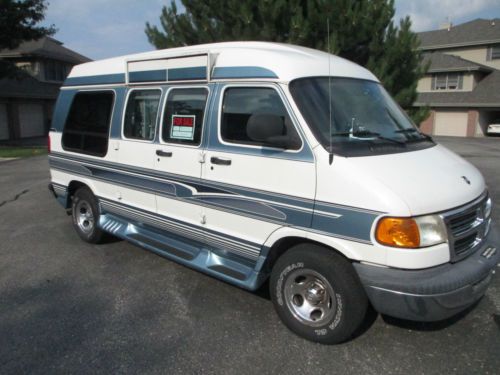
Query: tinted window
[[243, 105], [184, 112], [140, 115], [87, 126]]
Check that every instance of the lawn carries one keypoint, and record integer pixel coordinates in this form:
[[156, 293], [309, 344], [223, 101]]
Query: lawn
[[21, 152]]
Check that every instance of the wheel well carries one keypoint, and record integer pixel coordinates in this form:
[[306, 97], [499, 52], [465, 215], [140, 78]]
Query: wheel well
[[282, 246], [72, 188]]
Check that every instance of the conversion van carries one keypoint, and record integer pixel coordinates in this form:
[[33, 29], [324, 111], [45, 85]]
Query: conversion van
[[262, 161]]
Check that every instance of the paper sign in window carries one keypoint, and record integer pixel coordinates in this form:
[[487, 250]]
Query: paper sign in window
[[183, 127]]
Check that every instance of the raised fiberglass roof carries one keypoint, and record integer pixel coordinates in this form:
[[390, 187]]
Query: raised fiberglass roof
[[231, 60]]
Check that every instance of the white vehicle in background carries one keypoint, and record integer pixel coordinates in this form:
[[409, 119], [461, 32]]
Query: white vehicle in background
[[260, 161], [494, 128]]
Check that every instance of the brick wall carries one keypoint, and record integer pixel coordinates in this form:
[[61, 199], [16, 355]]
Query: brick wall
[[472, 122], [427, 126]]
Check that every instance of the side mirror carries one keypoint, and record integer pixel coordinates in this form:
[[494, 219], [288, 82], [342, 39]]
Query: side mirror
[[268, 129]]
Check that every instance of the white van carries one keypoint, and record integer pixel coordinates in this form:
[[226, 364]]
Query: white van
[[256, 161]]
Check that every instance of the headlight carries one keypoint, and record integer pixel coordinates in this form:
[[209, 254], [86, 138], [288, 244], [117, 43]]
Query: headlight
[[411, 232], [487, 209]]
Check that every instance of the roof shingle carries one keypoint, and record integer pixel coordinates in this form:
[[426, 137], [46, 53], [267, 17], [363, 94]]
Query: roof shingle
[[441, 62], [45, 47], [28, 87], [479, 31]]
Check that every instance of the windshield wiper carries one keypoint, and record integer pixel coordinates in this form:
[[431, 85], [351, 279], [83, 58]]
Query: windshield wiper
[[413, 130], [369, 136]]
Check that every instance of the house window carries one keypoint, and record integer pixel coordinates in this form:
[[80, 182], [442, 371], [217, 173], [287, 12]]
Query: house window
[[447, 81], [55, 71], [494, 52]]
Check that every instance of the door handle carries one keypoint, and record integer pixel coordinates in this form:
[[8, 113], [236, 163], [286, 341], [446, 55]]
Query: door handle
[[163, 153], [220, 161]]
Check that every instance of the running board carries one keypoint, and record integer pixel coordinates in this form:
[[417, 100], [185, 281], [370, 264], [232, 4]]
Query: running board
[[183, 251]]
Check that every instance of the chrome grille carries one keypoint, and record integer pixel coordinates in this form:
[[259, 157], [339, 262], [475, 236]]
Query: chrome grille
[[467, 227]]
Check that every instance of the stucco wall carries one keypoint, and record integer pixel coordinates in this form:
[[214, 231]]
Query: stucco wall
[[468, 83], [476, 54]]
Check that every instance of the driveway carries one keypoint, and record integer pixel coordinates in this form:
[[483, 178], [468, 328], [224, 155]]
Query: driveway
[[70, 307]]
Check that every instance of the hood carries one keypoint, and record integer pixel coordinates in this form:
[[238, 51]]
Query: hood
[[427, 181]]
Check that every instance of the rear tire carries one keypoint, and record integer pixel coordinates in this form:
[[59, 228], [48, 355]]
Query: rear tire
[[317, 294], [85, 213]]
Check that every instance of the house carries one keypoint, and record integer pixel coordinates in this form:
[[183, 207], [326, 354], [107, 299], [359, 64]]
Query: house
[[461, 87], [26, 104]]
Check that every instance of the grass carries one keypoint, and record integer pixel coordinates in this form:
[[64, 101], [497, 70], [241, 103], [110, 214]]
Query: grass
[[21, 152]]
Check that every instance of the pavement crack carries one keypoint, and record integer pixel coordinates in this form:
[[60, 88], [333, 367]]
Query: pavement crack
[[15, 198]]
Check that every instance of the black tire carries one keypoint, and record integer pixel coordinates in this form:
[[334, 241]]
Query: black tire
[[85, 203], [317, 294]]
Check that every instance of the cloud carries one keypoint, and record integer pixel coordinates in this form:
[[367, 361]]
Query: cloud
[[429, 14]]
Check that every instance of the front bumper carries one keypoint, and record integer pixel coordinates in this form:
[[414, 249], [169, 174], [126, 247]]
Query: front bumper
[[435, 293]]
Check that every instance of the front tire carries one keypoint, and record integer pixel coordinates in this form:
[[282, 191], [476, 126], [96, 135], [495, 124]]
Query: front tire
[[85, 213], [317, 294]]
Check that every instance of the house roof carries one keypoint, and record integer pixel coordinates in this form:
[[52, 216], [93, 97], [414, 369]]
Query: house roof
[[442, 62], [485, 94], [479, 31], [45, 47], [28, 87]]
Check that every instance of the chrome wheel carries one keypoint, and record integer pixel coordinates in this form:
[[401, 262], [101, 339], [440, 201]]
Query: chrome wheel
[[310, 297], [84, 216]]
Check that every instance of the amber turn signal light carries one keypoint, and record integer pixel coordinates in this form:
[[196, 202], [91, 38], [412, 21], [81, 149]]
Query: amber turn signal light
[[399, 232]]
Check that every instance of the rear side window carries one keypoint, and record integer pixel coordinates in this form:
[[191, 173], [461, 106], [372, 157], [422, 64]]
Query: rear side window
[[140, 115], [87, 126], [183, 118], [242, 105]]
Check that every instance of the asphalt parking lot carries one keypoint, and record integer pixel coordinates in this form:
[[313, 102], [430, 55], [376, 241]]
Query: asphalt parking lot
[[70, 307]]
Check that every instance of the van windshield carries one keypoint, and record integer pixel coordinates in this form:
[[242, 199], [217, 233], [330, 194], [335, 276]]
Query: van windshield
[[365, 120]]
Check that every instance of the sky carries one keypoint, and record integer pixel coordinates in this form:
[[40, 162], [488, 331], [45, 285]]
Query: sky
[[105, 28]]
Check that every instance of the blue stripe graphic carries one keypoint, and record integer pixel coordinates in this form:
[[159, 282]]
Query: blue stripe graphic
[[242, 72], [186, 74], [338, 221], [172, 75], [148, 76], [104, 79]]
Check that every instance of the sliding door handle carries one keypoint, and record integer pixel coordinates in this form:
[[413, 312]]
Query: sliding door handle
[[163, 153], [220, 161]]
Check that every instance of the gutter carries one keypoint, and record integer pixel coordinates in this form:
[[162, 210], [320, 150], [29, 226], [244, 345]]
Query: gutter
[[454, 45]]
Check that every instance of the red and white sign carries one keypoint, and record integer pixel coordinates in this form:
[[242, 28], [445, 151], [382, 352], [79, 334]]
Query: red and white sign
[[183, 127]]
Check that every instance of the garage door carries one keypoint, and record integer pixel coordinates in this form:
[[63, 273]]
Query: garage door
[[4, 130], [31, 120], [451, 123]]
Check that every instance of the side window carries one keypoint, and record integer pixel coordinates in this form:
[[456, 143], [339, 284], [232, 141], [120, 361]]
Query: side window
[[140, 114], [183, 118], [250, 105], [87, 125]]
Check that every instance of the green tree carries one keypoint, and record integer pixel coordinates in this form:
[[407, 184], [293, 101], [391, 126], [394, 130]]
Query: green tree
[[360, 30], [19, 22]]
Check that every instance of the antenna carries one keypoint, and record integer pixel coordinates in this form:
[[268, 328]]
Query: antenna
[[330, 150]]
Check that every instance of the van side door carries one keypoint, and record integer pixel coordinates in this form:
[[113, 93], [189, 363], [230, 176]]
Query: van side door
[[178, 160], [133, 152], [254, 186]]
